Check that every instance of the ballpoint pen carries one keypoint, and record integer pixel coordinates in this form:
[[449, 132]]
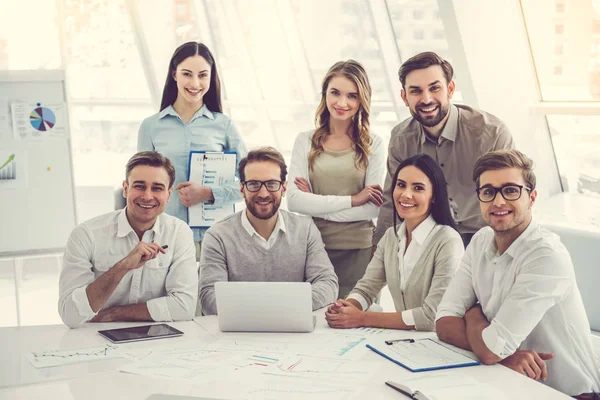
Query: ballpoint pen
[[399, 340]]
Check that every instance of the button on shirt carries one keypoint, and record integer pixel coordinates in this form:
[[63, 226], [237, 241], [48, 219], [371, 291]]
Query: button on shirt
[[261, 241], [168, 134], [468, 134], [408, 259], [168, 284], [530, 296]]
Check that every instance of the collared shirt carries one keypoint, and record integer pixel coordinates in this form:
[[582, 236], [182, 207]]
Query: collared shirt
[[261, 241], [468, 134], [168, 134], [530, 296], [408, 259], [168, 284]]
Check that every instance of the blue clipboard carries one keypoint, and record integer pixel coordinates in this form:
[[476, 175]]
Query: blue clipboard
[[192, 152], [433, 368]]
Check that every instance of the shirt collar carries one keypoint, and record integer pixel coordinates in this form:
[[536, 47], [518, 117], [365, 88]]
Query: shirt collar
[[202, 112], [449, 131], [124, 228], [279, 225], [492, 250], [421, 231]]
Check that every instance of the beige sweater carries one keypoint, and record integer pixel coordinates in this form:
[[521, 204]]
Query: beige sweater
[[428, 281]]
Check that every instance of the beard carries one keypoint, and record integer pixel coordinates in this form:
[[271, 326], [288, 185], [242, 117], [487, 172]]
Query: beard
[[254, 208], [434, 120]]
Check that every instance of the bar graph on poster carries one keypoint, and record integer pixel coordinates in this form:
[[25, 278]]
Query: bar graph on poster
[[12, 169]]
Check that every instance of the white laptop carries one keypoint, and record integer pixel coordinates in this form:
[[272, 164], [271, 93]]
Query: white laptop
[[264, 306]]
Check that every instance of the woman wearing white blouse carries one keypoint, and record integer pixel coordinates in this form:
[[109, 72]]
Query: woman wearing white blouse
[[337, 169], [416, 261]]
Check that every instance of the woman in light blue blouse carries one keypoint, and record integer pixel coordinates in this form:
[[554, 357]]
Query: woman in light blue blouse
[[191, 118]]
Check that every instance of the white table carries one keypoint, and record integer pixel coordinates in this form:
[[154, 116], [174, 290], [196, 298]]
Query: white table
[[101, 379]]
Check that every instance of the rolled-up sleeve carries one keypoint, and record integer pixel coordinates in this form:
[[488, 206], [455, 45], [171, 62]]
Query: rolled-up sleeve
[[181, 283], [230, 191], [544, 280], [76, 274]]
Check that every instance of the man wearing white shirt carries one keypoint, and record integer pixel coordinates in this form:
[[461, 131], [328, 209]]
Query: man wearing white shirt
[[514, 299], [135, 264]]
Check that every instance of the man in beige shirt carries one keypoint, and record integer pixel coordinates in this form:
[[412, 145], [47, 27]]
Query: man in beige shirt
[[453, 135]]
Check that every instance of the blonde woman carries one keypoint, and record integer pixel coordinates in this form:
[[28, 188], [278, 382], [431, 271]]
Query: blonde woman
[[337, 170]]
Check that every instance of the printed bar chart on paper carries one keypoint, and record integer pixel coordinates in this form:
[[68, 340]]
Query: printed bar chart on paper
[[55, 358], [210, 169], [8, 168]]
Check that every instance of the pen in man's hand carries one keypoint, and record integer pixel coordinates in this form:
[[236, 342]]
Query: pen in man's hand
[[165, 246]]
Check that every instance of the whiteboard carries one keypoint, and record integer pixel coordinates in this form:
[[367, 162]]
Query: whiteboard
[[37, 208]]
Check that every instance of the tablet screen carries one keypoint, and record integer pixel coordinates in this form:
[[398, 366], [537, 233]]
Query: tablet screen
[[145, 332]]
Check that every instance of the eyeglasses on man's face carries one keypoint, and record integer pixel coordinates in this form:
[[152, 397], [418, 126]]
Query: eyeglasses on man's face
[[271, 185], [510, 192]]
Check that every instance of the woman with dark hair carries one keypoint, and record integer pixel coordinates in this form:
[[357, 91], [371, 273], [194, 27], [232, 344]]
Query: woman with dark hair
[[416, 260], [191, 118], [337, 169]]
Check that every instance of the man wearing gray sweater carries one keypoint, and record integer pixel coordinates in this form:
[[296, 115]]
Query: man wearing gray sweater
[[263, 243]]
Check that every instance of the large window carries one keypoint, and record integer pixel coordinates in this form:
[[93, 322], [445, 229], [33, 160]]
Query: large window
[[565, 43], [271, 55]]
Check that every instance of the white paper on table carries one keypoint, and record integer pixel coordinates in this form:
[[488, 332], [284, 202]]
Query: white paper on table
[[55, 358], [312, 368]]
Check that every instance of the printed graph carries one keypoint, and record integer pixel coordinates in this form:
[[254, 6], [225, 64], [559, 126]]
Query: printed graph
[[62, 357], [8, 168], [328, 370]]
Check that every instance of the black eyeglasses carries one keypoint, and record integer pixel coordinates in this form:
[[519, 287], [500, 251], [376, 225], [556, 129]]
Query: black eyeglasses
[[254, 186], [510, 192]]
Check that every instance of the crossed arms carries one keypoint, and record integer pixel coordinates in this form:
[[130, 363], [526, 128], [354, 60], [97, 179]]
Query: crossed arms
[[540, 282]]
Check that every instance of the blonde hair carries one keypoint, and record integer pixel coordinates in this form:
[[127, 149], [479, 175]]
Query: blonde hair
[[361, 138]]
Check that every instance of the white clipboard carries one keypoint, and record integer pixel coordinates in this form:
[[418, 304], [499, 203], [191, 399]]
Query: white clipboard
[[210, 169]]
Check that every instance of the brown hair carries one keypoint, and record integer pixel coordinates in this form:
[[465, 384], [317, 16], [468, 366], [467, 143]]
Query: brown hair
[[263, 154], [153, 159], [505, 158], [425, 60], [361, 138]]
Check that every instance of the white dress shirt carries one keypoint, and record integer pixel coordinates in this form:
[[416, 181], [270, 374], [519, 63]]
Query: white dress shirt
[[530, 296], [261, 241], [168, 284], [408, 259]]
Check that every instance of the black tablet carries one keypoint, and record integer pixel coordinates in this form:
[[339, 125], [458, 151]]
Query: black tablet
[[136, 333]]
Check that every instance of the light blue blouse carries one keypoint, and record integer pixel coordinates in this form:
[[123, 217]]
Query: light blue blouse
[[169, 135]]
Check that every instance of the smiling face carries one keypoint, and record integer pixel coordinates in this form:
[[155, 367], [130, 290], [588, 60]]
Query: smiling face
[[427, 95], [413, 195], [263, 204], [504, 216], [342, 98], [147, 193], [193, 80]]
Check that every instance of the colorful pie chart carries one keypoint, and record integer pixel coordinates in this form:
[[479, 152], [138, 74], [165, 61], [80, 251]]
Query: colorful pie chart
[[42, 119]]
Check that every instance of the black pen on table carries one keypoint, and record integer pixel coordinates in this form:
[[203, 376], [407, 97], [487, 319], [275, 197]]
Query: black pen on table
[[389, 342]]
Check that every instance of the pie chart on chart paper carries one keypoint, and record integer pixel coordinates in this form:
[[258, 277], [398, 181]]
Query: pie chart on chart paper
[[42, 119]]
